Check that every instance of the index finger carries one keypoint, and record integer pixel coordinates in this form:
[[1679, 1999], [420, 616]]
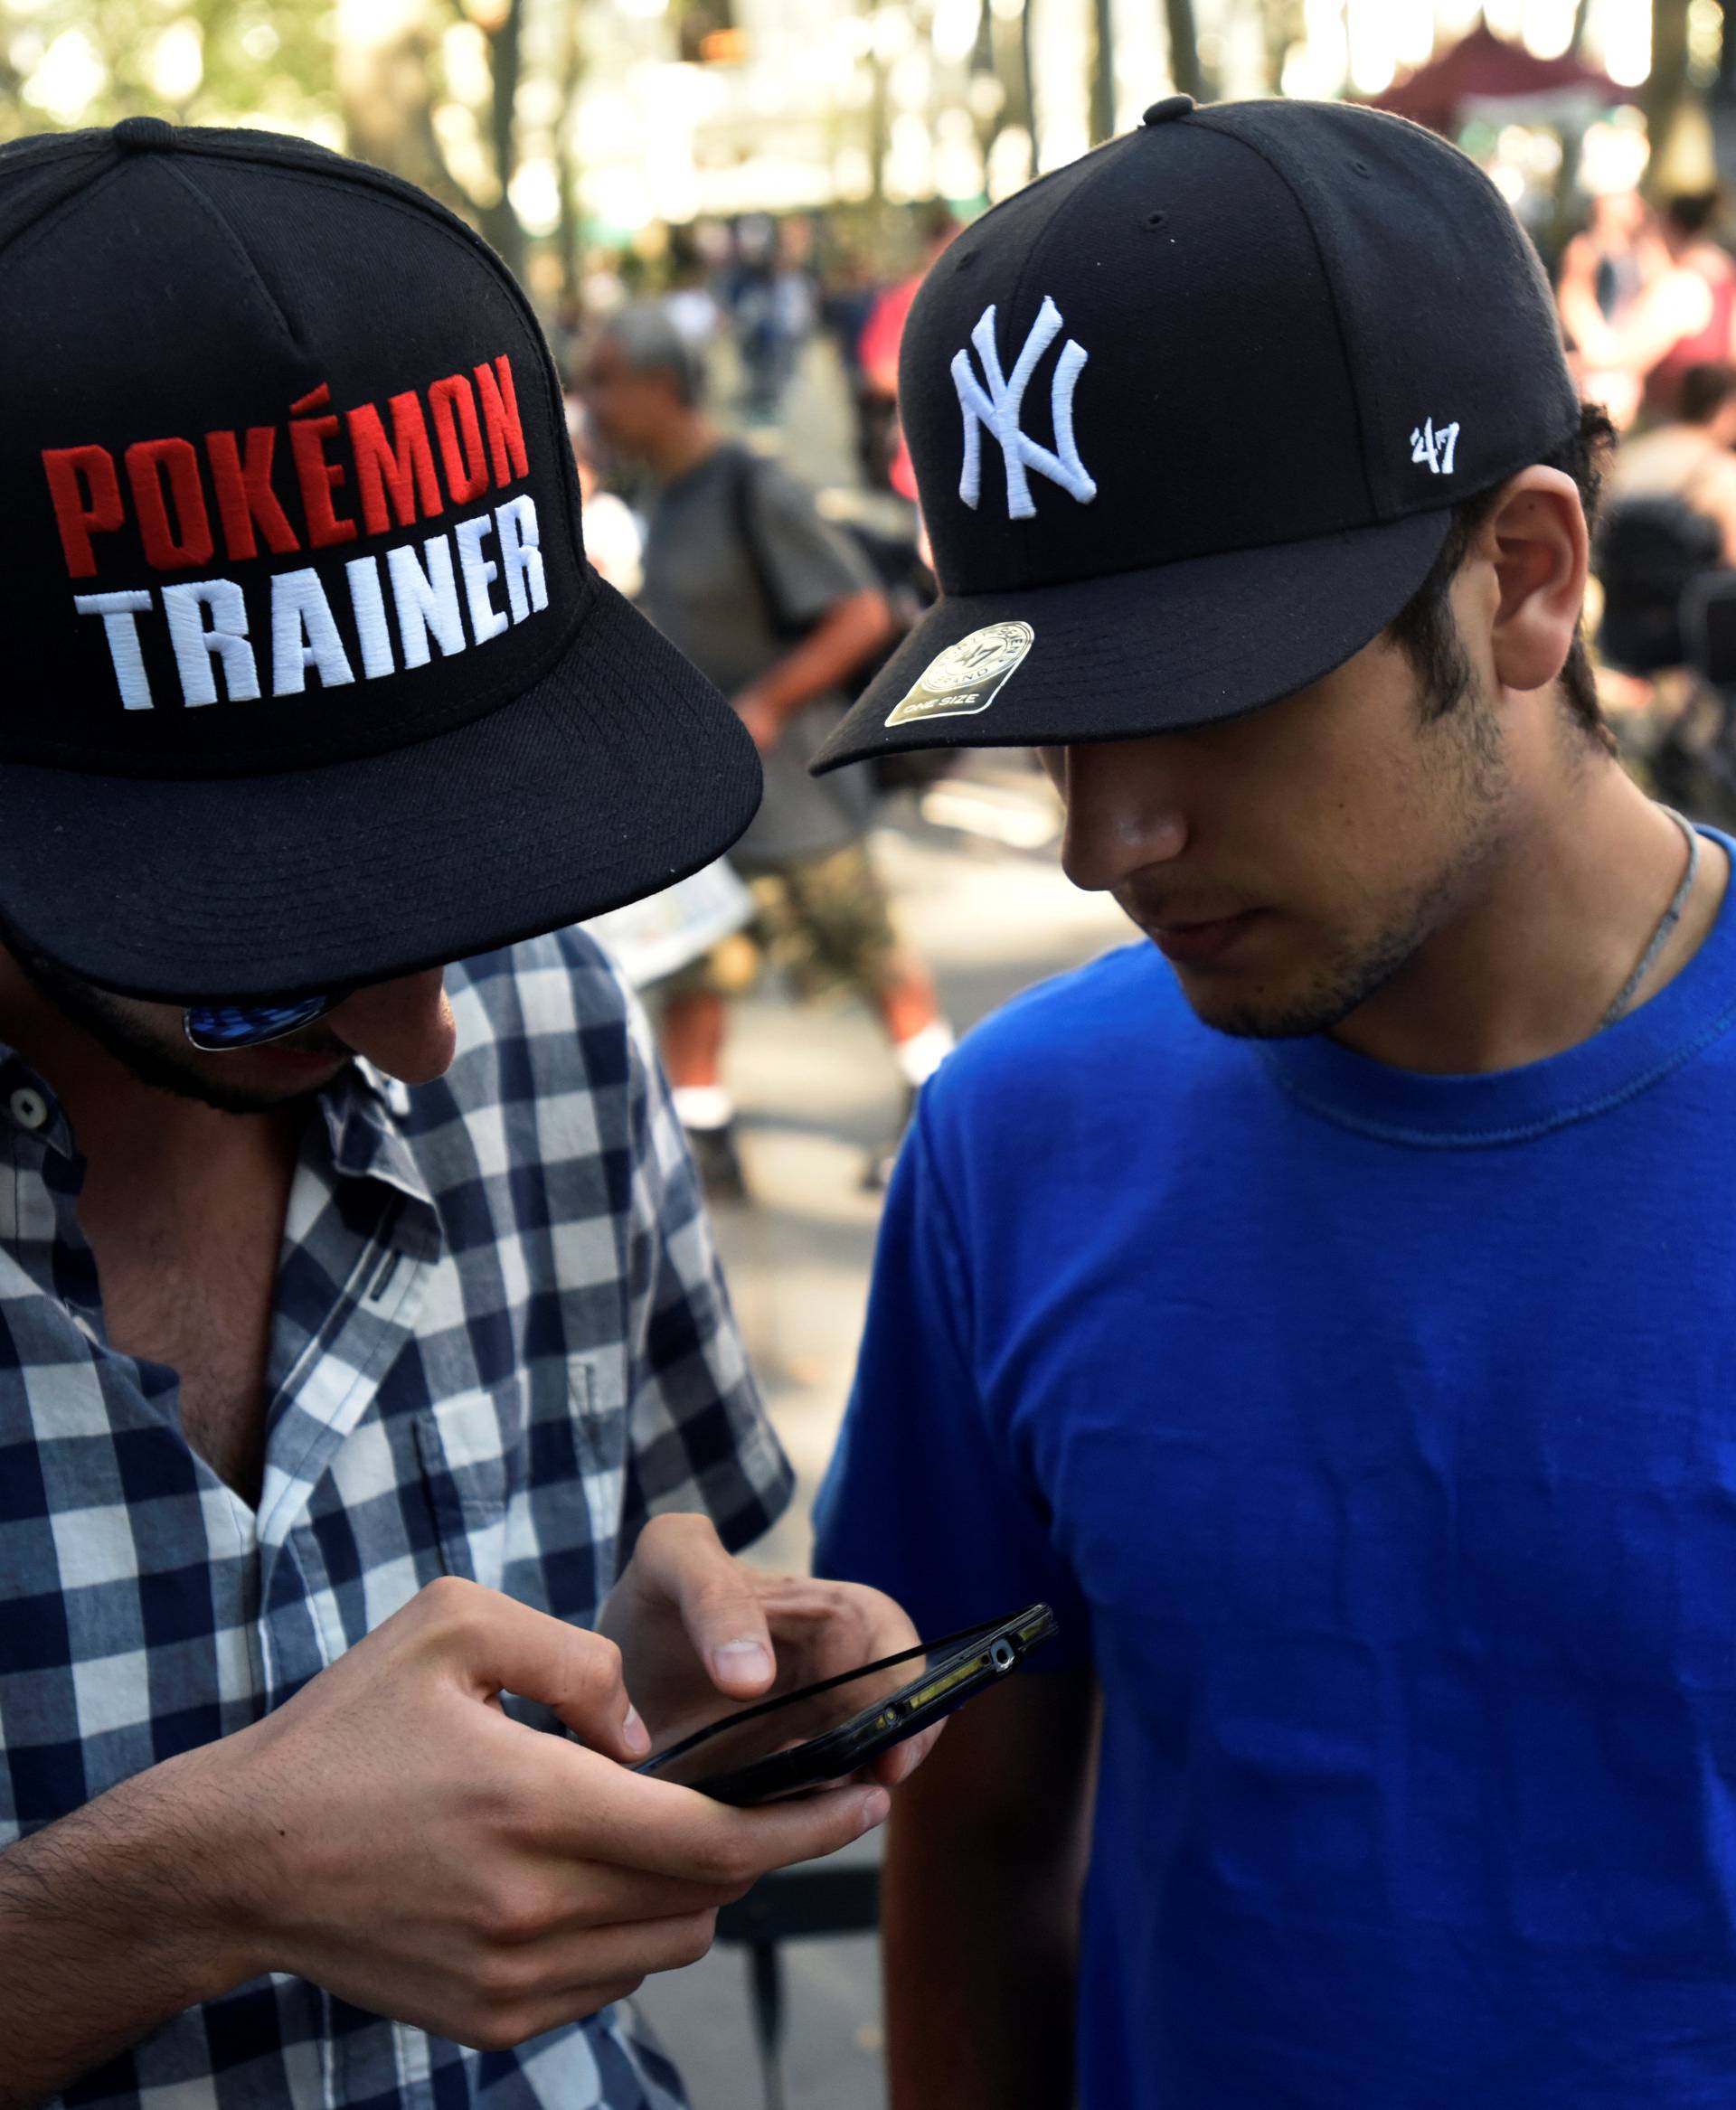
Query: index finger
[[499, 1644]]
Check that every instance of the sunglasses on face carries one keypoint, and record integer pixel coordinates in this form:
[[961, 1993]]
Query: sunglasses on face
[[219, 1029]]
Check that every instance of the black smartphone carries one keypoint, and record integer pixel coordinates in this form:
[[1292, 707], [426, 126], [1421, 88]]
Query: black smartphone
[[800, 1740]]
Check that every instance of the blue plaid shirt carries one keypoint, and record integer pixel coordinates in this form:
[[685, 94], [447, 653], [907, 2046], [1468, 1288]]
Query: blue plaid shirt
[[500, 1342]]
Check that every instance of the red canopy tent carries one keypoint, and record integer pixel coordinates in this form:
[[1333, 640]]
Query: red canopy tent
[[1483, 75]]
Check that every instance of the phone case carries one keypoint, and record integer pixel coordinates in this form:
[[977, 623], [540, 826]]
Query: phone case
[[993, 1652]]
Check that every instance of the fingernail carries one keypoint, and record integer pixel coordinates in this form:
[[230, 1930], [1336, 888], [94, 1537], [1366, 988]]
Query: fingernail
[[875, 1808], [634, 1733], [742, 1660]]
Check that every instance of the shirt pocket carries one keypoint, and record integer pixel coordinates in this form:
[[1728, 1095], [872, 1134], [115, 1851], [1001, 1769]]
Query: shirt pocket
[[467, 1446]]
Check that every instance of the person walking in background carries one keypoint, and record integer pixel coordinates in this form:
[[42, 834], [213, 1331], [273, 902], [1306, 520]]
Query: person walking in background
[[773, 309], [1687, 317], [1690, 458], [1328, 1305], [779, 610], [614, 540], [692, 304], [1668, 534], [849, 293], [877, 360], [1604, 270]]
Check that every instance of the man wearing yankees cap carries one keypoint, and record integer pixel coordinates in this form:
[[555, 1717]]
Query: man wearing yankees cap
[[1327, 1303], [369, 1401]]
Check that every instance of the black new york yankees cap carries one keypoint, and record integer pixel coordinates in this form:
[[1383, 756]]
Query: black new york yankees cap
[[307, 680], [1189, 417]]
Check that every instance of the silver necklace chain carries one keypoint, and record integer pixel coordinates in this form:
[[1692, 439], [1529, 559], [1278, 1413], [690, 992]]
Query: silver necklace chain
[[1661, 936]]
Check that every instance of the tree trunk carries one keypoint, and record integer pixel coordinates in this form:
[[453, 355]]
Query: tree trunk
[[1667, 87], [1567, 177], [1286, 24], [389, 118], [572, 67], [1103, 70], [500, 223], [1028, 76], [1184, 49]]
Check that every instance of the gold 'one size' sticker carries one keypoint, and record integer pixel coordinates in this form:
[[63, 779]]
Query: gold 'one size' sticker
[[967, 676]]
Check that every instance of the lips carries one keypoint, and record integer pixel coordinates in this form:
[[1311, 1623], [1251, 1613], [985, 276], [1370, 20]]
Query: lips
[[1195, 944]]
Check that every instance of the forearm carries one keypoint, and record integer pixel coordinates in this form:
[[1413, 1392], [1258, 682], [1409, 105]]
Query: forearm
[[980, 1961], [111, 1921], [826, 658]]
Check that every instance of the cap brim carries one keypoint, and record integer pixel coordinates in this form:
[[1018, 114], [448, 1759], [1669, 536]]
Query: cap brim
[[1145, 652], [620, 771]]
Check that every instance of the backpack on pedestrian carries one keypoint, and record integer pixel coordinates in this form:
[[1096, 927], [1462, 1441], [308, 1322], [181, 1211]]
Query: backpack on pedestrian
[[1650, 551], [902, 576]]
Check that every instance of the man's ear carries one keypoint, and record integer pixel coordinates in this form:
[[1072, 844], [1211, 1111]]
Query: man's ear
[[1536, 544]]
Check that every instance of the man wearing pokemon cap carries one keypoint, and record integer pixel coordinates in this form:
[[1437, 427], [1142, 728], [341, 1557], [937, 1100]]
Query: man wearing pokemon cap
[[369, 1401], [1328, 1304]]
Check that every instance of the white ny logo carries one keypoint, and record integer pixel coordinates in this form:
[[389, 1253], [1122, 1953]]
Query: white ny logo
[[996, 410]]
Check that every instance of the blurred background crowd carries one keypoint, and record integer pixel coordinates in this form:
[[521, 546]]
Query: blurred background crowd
[[722, 209]]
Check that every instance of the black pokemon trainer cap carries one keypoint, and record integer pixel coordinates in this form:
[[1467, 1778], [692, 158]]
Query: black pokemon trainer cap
[[1190, 415], [307, 680]]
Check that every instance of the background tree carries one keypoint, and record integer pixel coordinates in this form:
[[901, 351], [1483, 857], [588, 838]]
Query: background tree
[[67, 62], [426, 88], [1102, 69], [1185, 68], [429, 91], [1668, 89]]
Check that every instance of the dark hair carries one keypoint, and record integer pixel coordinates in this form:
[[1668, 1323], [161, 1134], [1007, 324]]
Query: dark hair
[[1424, 629], [1693, 211], [1705, 389], [645, 334]]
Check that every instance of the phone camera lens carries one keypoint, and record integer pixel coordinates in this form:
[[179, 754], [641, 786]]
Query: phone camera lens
[[1001, 1656]]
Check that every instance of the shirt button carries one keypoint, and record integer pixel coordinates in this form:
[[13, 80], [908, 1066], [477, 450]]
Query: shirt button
[[29, 1109]]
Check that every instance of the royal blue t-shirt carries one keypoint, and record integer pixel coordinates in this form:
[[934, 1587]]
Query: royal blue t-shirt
[[1373, 1435]]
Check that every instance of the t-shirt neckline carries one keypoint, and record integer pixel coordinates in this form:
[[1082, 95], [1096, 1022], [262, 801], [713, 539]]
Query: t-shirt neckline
[[1512, 1106]]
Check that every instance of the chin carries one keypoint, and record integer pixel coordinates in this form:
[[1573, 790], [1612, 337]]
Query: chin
[[232, 1093], [1250, 1021], [1260, 1010]]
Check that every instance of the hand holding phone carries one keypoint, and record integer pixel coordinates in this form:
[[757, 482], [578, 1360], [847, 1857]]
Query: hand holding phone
[[700, 1631], [798, 1741]]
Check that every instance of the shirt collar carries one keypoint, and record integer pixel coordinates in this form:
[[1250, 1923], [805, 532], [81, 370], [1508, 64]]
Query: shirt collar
[[29, 1107], [362, 1109]]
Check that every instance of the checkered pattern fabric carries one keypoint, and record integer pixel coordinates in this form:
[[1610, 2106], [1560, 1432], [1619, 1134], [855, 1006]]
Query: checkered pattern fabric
[[500, 1343]]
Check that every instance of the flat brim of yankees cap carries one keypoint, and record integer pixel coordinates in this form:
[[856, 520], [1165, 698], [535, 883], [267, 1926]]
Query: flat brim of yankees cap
[[1129, 654], [619, 771]]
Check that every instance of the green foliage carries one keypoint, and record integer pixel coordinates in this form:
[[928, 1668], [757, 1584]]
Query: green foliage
[[71, 62]]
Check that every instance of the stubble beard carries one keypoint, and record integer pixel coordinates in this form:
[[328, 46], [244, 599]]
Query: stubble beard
[[143, 1055], [1467, 767]]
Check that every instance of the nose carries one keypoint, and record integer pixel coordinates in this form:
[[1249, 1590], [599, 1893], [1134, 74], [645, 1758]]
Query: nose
[[1124, 812], [405, 1026]]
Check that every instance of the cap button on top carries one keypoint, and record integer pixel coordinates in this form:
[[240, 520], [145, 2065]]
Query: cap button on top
[[1171, 108], [144, 135]]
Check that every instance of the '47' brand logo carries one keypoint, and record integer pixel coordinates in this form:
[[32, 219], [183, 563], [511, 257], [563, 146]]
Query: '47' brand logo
[[996, 408], [1435, 446]]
